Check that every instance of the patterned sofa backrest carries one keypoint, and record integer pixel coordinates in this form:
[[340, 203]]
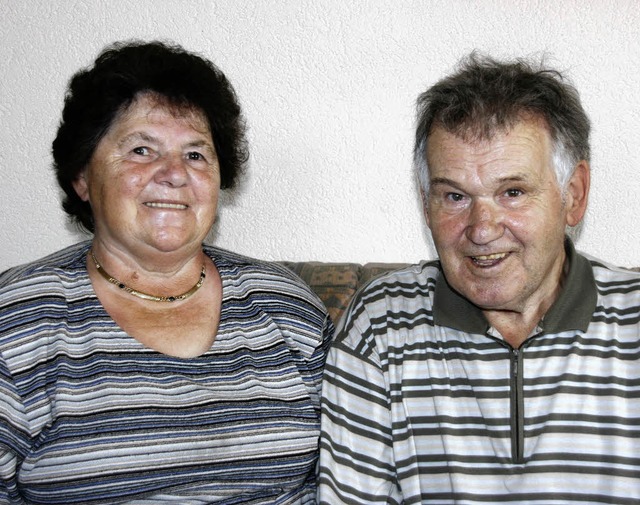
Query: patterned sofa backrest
[[336, 283]]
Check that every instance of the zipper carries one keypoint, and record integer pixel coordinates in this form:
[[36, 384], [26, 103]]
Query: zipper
[[517, 407]]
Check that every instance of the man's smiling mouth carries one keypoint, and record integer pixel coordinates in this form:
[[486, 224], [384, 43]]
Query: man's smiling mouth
[[487, 260]]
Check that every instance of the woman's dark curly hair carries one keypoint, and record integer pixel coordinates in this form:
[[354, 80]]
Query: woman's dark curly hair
[[120, 73]]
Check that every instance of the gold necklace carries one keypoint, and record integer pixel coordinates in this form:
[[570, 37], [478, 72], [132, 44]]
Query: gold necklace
[[146, 296]]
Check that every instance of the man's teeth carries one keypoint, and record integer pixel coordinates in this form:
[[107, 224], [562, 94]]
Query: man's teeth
[[160, 205], [489, 257]]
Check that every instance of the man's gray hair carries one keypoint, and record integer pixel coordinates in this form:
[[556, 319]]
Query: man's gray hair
[[485, 96]]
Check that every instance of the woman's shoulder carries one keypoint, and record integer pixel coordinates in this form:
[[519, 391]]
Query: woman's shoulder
[[247, 273], [252, 266], [65, 263]]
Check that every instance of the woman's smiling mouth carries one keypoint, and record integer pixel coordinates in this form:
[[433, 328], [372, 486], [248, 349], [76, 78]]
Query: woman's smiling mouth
[[165, 205]]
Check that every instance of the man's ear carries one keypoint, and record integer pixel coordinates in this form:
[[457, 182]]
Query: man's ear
[[425, 207], [577, 193], [81, 186]]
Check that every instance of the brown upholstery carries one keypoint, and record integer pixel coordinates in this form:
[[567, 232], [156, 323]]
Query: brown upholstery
[[336, 283]]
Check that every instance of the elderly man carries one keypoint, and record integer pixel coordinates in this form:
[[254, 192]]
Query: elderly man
[[508, 371]]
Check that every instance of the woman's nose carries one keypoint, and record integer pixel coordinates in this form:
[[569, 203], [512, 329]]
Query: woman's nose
[[173, 170], [485, 222]]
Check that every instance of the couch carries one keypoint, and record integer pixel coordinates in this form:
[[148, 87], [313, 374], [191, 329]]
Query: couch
[[336, 283]]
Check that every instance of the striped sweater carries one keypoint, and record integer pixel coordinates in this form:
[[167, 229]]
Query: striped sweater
[[89, 415], [424, 403]]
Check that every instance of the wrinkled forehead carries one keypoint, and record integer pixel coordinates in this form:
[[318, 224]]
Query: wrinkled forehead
[[155, 103], [485, 136], [526, 146], [478, 128]]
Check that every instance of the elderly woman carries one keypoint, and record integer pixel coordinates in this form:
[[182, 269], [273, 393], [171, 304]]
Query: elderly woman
[[143, 366]]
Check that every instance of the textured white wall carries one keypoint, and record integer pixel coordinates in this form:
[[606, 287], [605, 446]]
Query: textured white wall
[[328, 89]]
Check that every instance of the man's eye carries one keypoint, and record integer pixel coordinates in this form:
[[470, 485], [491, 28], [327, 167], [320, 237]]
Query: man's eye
[[454, 197], [514, 193]]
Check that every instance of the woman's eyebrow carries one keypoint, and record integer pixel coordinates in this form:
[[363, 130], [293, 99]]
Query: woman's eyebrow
[[136, 136], [202, 144]]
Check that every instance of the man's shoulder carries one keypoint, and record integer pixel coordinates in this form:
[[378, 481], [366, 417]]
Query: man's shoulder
[[397, 292], [618, 289], [606, 269], [399, 299], [406, 281], [606, 273]]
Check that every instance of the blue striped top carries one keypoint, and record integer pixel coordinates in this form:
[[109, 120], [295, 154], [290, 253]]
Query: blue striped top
[[90, 415]]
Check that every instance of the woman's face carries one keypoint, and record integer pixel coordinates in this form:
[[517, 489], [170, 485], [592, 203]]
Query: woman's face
[[153, 180]]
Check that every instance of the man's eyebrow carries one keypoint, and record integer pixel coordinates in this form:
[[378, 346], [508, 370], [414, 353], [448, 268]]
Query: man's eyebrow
[[442, 181], [445, 181], [514, 177]]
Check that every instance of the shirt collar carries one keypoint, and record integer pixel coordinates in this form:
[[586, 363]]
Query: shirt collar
[[571, 311]]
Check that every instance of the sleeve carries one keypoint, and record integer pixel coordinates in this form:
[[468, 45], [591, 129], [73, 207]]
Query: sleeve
[[356, 453], [13, 438], [316, 363], [304, 321]]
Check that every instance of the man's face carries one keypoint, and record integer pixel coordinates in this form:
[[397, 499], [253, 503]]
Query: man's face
[[497, 216]]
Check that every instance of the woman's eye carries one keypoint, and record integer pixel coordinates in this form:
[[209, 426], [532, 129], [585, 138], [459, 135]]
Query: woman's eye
[[141, 151], [195, 156]]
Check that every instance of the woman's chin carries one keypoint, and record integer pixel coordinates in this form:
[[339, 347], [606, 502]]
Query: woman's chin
[[174, 243]]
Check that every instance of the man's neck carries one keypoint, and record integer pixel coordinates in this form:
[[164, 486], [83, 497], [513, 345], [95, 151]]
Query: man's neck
[[516, 326], [513, 327]]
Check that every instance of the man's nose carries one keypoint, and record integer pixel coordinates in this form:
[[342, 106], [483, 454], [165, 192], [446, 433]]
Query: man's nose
[[485, 222]]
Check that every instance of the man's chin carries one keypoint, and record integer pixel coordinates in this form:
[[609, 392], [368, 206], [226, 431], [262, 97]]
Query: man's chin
[[489, 299]]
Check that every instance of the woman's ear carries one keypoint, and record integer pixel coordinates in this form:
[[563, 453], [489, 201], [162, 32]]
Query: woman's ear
[[577, 193], [81, 186]]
